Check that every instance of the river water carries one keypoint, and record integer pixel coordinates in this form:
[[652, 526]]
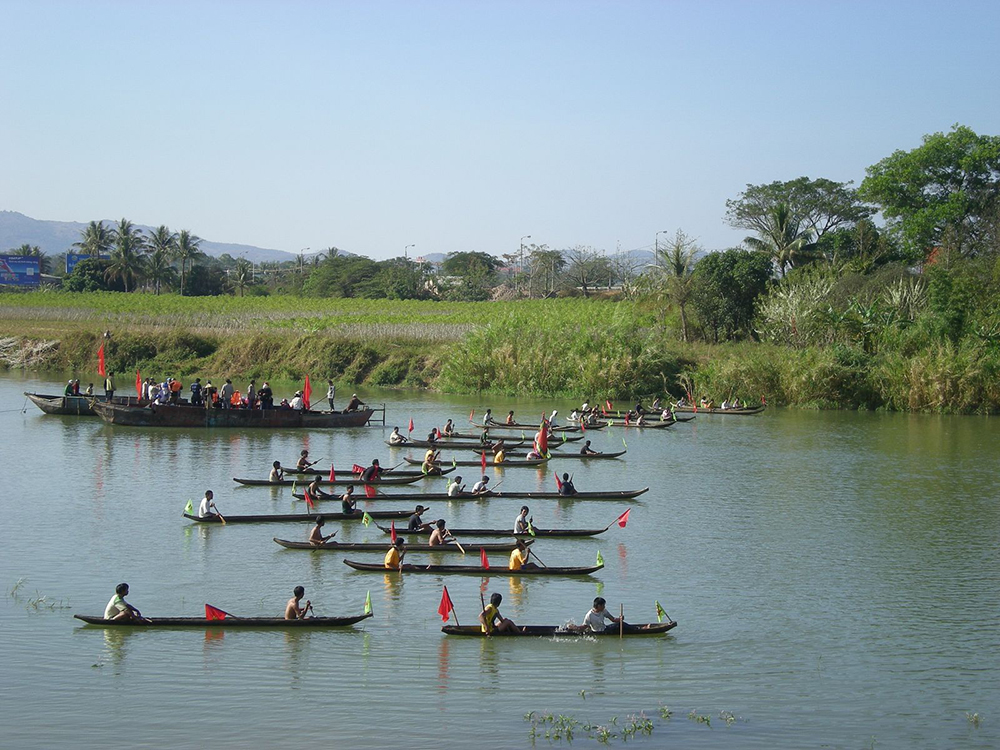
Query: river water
[[835, 576]]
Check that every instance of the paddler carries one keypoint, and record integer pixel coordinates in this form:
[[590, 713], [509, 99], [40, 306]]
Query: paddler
[[440, 535], [304, 463], [480, 487], [394, 557], [348, 503], [118, 608], [294, 610], [372, 473], [316, 535], [456, 488], [416, 523], [207, 509], [510, 418], [432, 462], [594, 620], [314, 491], [586, 450], [396, 438], [519, 557], [449, 428], [566, 487], [491, 621], [355, 403], [522, 522], [499, 454], [488, 418], [277, 473]]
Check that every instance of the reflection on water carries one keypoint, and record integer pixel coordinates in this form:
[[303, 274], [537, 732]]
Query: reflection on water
[[116, 641], [443, 663], [516, 587]]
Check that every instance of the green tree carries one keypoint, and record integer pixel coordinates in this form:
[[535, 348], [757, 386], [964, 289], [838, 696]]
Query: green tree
[[545, 268], [339, 276], [242, 275], [586, 269], [726, 287], [398, 278], [127, 261], [785, 240], [674, 262], [44, 264], [90, 275], [162, 247], [948, 185], [95, 240], [188, 250]]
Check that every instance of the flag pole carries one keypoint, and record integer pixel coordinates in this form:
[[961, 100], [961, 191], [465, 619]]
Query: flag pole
[[621, 621]]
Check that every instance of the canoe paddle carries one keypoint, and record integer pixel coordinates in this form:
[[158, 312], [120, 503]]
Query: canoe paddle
[[532, 554], [221, 517]]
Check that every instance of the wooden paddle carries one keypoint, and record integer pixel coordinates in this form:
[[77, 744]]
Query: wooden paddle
[[221, 517], [457, 543], [532, 554]]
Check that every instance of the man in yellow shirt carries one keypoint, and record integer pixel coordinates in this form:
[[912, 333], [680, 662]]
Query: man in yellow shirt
[[432, 462], [491, 621], [394, 557], [519, 557]]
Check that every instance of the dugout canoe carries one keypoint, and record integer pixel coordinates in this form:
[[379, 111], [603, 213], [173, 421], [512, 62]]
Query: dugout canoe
[[523, 426], [79, 406], [528, 631], [450, 444], [494, 437], [519, 454], [477, 570], [326, 482], [408, 497], [373, 547], [489, 462], [650, 424], [303, 517], [728, 412], [196, 416], [504, 495], [228, 622], [554, 533], [356, 478]]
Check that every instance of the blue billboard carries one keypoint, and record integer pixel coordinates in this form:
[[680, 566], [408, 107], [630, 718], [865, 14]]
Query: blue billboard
[[73, 258], [20, 270]]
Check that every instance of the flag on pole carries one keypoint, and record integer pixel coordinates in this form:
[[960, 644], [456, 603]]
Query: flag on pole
[[471, 415], [600, 559], [368, 602], [358, 469], [483, 461], [307, 391], [333, 474], [531, 529], [100, 362], [558, 481], [309, 500], [660, 613], [189, 508], [392, 532], [564, 438], [483, 560], [366, 519], [454, 463], [445, 608], [370, 491], [583, 426], [295, 486], [623, 518], [608, 404], [214, 613], [409, 427], [763, 400], [138, 384]]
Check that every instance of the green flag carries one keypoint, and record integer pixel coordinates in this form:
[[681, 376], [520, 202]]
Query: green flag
[[660, 614], [624, 443], [368, 603], [522, 434], [189, 508], [454, 464], [294, 485], [531, 529], [366, 519], [600, 559], [564, 437]]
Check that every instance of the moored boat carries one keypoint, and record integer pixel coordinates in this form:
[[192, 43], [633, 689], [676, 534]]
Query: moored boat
[[228, 622], [302, 517], [79, 406], [155, 415], [528, 631], [374, 547], [473, 569]]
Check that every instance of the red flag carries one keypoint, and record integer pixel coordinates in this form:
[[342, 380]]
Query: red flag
[[138, 384], [214, 613], [558, 481], [100, 362], [392, 532], [445, 608], [333, 474], [358, 469], [608, 404], [483, 560], [370, 491], [483, 462], [542, 441], [410, 427], [623, 518], [763, 400], [307, 392], [471, 415], [583, 425], [626, 418], [309, 499]]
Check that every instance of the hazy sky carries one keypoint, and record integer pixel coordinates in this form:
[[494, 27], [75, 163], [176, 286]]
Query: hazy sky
[[465, 125]]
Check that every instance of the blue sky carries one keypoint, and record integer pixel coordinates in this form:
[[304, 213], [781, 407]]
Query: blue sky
[[465, 125]]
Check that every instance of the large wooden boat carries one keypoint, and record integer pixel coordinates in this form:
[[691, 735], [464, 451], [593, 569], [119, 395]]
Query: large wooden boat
[[507, 464], [450, 444], [195, 416], [566, 533], [728, 412], [500, 570], [384, 547], [228, 622], [417, 476], [79, 406], [302, 517], [529, 631]]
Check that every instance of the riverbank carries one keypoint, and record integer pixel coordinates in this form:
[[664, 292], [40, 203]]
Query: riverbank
[[574, 348]]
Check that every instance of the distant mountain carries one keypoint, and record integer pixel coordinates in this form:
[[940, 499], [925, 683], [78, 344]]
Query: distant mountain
[[55, 237]]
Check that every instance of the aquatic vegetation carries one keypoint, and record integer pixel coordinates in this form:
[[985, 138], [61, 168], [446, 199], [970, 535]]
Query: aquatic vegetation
[[974, 719]]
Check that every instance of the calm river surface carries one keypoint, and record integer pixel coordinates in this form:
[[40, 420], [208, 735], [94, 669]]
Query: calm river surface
[[836, 577]]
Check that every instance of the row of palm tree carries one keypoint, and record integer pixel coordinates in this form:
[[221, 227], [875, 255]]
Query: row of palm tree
[[137, 257]]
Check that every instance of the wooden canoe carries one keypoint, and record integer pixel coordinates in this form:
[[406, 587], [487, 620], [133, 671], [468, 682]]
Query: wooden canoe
[[509, 463], [650, 424], [229, 622], [500, 570], [567, 533], [522, 426], [327, 483], [450, 444], [502, 495], [730, 412], [384, 547], [356, 478], [528, 631], [197, 416], [302, 517], [469, 436], [79, 406], [519, 454], [408, 497]]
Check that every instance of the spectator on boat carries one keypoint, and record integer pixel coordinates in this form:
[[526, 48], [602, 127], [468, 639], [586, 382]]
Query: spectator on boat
[[284, 404], [252, 394], [491, 621], [480, 487], [456, 488], [90, 389], [682, 402], [109, 386], [639, 409], [440, 535], [372, 473], [331, 392], [196, 395], [519, 557], [510, 417], [118, 608], [574, 416], [211, 395], [277, 473], [396, 438], [266, 396], [297, 403], [566, 487], [226, 394], [69, 388], [595, 620], [207, 509], [348, 503], [449, 428], [586, 450], [666, 415], [355, 403], [585, 408], [294, 610], [175, 391], [394, 557], [415, 522], [522, 523], [316, 535]]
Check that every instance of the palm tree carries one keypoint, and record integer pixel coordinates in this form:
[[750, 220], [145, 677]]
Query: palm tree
[[127, 262], [676, 260], [188, 251], [96, 240], [242, 275], [784, 239], [36, 251], [162, 245]]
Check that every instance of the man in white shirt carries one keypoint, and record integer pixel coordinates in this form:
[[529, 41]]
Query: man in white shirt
[[456, 488], [297, 402], [118, 608], [594, 620], [226, 394], [521, 523], [207, 508], [480, 486], [331, 393]]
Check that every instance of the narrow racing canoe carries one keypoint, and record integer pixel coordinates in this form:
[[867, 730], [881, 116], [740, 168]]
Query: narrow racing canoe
[[478, 570], [302, 517], [508, 464], [566, 533], [528, 631], [384, 547], [327, 483], [228, 622]]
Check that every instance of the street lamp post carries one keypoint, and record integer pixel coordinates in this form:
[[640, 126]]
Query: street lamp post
[[520, 265], [656, 243], [405, 256]]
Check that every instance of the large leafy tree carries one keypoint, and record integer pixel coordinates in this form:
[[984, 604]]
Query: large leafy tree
[[95, 240], [786, 241], [339, 276], [945, 190], [188, 250], [545, 266], [127, 261], [726, 287]]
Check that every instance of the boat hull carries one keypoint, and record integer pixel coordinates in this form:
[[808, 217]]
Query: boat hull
[[196, 416], [78, 406], [727, 412], [369, 547], [229, 622], [476, 570], [551, 533], [302, 517], [529, 631]]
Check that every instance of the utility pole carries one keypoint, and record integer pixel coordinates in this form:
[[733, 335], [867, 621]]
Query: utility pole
[[520, 267]]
